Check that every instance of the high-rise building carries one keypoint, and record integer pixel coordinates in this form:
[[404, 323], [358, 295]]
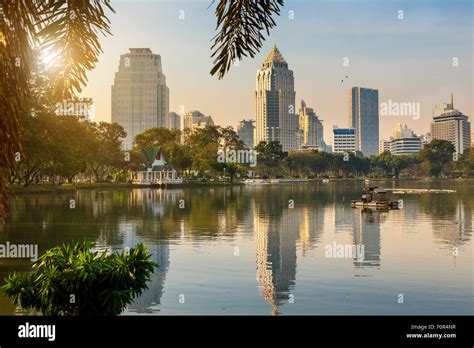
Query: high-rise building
[[364, 118], [174, 120], [203, 122], [140, 97], [275, 102], [402, 132], [245, 130], [191, 117], [196, 119], [311, 127], [344, 140], [452, 125], [426, 138]]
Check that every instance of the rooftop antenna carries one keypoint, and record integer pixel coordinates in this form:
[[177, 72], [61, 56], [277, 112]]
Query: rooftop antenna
[[452, 101]]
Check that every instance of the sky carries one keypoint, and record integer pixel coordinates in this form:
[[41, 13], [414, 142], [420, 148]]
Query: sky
[[407, 60]]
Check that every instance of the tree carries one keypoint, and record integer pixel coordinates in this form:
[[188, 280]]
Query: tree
[[271, 158], [466, 161], [437, 154], [107, 154], [70, 27], [73, 280]]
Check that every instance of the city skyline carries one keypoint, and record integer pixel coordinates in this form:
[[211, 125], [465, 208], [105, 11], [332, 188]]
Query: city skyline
[[384, 53]]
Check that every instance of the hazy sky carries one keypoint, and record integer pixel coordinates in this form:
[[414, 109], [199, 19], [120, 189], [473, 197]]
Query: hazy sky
[[407, 60]]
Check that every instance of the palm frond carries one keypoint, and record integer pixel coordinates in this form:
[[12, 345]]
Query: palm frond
[[240, 24]]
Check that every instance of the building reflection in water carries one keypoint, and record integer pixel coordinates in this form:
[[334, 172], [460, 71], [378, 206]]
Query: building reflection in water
[[455, 229], [366, 232], [152, 296], [276, 257], [276, 238]]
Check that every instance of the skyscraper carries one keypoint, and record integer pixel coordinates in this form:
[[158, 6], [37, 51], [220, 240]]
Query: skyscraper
[[364, 118], [275, 102], [174, 121], [245, 130], [196, 119], [140, 97], [452, 125], [310, 125], [191, 117]]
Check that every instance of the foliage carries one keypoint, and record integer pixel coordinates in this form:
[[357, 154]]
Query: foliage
[[106, 155], [68, 26], [240, 24], [437, 154], [99, 284]]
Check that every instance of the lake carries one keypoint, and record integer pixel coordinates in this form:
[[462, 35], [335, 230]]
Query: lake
[[270, 249]]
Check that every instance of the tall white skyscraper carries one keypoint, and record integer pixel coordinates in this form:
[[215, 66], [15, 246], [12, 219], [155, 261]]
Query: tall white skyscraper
[[364, 118], [275, 102], [140, 97]]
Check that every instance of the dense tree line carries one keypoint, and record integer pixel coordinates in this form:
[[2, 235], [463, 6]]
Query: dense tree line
[[65, 148]]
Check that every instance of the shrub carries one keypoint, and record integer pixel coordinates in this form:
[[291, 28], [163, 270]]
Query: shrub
[[71, 280]]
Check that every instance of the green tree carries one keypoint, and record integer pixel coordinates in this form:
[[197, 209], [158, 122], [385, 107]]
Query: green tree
[[107, 156], [271, 159], [101, 284], [466, 161], [437, 154], [67, 26], [71, 27]]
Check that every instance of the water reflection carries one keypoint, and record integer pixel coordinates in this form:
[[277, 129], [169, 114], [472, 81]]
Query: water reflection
[[366, 232], [286, 224]]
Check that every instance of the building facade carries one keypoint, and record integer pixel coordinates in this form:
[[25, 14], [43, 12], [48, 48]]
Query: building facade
[[403, 142], [364, 118], [275, 102], [452, 125], [245, 130], [140, 97], [344, 140], [196, 119], [312, 131], [384, 145], [405, 146], [191, 117], [174, 120]]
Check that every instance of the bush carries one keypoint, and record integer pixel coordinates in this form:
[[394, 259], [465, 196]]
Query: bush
[[72, 280]]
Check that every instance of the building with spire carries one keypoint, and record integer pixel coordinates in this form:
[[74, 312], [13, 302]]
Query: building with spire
[[275, 103], [140, 97], [452, 125]]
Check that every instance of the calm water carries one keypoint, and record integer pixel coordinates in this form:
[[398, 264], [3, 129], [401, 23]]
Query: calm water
[[243, 250]]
